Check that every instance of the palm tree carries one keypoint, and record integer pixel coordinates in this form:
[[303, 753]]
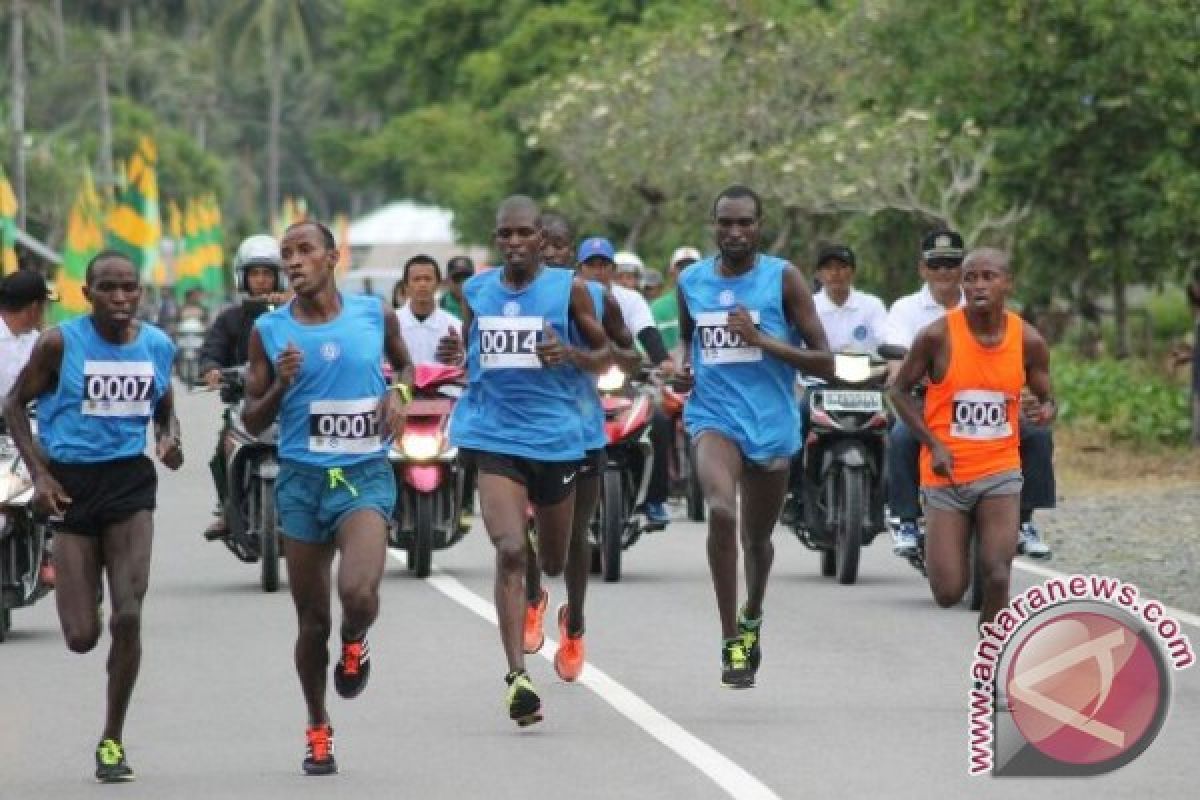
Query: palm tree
[[271, 35]]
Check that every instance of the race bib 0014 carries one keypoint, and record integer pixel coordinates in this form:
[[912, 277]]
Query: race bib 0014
[[118, 388], [509, 342], [720, 345], [344, 426], [980, 414]]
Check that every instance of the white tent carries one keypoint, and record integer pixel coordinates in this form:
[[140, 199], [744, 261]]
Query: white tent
[[403, 222]]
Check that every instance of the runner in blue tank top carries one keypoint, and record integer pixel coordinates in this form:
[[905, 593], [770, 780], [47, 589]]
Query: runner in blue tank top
[[98, 380], [518, 420], [558, 248], [739, 313], [316, 364]]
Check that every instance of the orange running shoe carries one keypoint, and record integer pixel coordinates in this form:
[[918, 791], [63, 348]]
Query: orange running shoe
[[318, 758], [535, 616], [568, 659]]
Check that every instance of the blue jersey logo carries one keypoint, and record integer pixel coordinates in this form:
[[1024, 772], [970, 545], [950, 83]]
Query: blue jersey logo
[[860, 333]]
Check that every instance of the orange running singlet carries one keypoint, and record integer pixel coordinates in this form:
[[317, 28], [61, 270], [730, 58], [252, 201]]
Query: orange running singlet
[[974, 410]]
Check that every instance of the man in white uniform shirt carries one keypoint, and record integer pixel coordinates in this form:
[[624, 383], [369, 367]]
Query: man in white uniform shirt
[[853, 320], [942, 254], [422, 322], [23, 300]]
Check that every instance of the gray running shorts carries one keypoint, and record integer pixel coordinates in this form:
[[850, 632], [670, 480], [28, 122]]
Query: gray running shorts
[[965, 496]]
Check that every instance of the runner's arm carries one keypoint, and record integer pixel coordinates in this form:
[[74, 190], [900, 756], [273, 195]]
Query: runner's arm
[[621, 341], [798, 306], [598, 356], [38, 376], [687, 327], [1037, 376], [168, 441], [917, 365], [264, 389]]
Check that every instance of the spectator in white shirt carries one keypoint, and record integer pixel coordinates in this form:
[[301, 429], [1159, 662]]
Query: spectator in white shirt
[[422, 323], [24, 296], [853, 320]]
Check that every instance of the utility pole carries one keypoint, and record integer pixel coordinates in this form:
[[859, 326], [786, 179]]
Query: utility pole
[[17, 50]]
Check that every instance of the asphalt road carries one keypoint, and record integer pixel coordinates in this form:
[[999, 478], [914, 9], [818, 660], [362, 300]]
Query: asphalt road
[[862, 692]]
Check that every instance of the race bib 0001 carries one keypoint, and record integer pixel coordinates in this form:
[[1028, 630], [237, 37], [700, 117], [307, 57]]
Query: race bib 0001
[[344, 426], [118, 388], [720, 345], [979, 414], [509, 342]]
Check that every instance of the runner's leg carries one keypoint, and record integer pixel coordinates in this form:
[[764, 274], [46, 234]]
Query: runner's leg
[[554, 525], [719, 468], [362, 541], [579, 557], [308, 567], [763, 492], [946, 554], [126, 546], [503, 501], [998, 519], [77, 564]]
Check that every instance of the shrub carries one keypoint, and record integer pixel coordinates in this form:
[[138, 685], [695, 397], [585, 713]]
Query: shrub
[[1126, 398]]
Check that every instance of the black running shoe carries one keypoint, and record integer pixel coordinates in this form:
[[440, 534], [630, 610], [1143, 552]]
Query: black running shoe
[[318, 757], [524, 705], [736, 672], [751, 633], [353, 668], [111, 766]]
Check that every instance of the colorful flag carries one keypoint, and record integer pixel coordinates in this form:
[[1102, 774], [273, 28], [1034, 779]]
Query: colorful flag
[[213, 276], [85, 238], [8, 227], [134, 226]]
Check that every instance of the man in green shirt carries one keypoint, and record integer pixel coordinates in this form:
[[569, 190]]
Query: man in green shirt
[[666, 307], [458, 269]]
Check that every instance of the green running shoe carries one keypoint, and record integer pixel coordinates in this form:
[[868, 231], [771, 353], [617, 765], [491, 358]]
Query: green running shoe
[[736, 672], [524, 705], [751, 632], [111, 766]]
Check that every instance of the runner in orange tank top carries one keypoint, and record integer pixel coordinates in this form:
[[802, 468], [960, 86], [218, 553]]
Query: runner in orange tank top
[[977, 359]]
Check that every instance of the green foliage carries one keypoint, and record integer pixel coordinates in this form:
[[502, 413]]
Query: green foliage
[[1123, 397], [1170, 316]]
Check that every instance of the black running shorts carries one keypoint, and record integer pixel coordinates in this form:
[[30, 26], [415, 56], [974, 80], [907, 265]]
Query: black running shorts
[[547, 482], [105, 492]]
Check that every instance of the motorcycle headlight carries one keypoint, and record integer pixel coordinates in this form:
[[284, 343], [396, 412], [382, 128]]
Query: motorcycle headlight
[[421, 446], [612, 380]]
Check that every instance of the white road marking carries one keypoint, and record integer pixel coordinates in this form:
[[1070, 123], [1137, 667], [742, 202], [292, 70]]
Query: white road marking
[[1046, 572], [718, 768]]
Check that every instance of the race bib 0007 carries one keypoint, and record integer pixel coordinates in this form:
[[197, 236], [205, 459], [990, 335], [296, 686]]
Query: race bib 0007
[[118, 388], [344, 426], [720, 345], [980, 414], [509, 342]]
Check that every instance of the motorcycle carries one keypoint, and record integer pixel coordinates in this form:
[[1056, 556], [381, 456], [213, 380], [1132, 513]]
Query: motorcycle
[[189, 338], [429, 478], [843, 484], [628, 406], [253, 466], [24, 541], [685, 482]]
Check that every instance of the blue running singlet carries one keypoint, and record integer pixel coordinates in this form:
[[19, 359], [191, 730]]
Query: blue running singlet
[[741, 392], [329, 416], [513, 405], [591, 412], [106, 394]]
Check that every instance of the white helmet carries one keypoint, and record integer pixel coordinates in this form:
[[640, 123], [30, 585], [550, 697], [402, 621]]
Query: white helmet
[[259, 250], [629, 262]]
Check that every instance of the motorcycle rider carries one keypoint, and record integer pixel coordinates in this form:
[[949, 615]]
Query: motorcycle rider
[[422, 323], [24, 296], [597, 261], [977, 359], [942, 255], [258, 270], [666, 308]]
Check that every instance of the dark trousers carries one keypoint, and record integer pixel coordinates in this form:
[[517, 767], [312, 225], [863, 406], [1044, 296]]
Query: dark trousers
[[662, 433], [217, 465], [904, 477]]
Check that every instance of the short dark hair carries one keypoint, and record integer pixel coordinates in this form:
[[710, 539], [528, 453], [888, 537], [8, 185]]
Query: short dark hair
[[738, 190], [554, 218], [521, 202], [104, 255], [421, 258], [326, 235]]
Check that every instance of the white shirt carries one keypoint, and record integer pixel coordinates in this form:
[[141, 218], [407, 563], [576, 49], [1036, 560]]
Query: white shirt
[[15, 350], [856, 326], [910, 314], [634, 309], [421, 336]]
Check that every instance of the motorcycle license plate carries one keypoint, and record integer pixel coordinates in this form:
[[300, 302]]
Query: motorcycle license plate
[[849, 400]]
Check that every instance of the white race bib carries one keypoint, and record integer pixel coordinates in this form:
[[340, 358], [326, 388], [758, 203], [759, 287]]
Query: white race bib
[[118, 388], [509, 342], [979, 414], [720, 345], [344, 426]]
